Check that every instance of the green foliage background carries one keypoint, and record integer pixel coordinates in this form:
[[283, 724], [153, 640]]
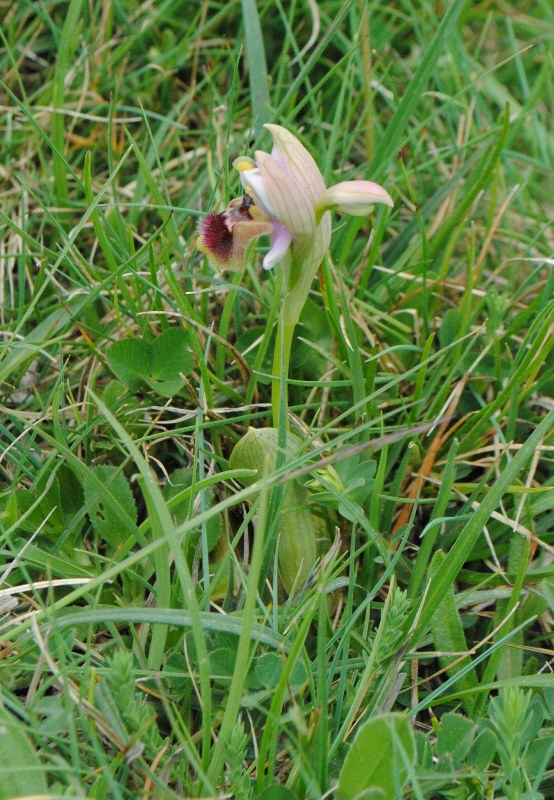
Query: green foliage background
[[148, 648]]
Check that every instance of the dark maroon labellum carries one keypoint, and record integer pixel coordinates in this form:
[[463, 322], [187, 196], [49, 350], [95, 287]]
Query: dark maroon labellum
[[216, 236]]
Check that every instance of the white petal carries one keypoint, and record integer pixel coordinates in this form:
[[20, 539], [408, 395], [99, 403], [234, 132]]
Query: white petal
[[297, 160], [280, 243], [290, 203], [252, 180], [352, 197]]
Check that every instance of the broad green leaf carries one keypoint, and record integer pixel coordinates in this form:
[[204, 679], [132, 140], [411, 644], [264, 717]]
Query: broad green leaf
[[55, 716], [71, 491], [269, 668], [450, 326], [47, 514], [20, 768], [8, 509], [129, 360], [378, 759], [296, 531], [546, 588], [454, 739], [59, 499], [170, 359], [104, 522], [482, 750], [158, 365], [534, 719], [539, 753]]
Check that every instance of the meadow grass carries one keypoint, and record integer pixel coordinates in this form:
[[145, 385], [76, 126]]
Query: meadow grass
[[148, 646]]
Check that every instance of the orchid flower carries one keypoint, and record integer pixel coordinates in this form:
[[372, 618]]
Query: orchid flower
[[290, 202], [286, 199]]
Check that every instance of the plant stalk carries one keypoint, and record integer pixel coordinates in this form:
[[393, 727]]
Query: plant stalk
[[281, 363]]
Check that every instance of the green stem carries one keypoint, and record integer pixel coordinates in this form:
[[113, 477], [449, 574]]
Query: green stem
[[299, 273], [281, 363]]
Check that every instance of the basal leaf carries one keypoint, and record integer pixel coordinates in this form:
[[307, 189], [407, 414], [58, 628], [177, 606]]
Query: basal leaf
[[378, 759], [170, 354], [454, 739], [158, 364], [130, 361], [482, 750], [47, 514], [450, 326], [21, 770], [102, 519]]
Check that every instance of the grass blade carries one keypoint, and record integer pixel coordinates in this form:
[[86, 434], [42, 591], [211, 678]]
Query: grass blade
[[257, 68]]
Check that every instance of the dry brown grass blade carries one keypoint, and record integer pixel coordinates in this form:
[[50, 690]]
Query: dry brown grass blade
[[430, 457]]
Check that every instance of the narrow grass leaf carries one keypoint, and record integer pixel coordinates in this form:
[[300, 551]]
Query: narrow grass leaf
[[67, 44], [411, 96], [448, 632], [473, 528], [220, 623], [257, 67]]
